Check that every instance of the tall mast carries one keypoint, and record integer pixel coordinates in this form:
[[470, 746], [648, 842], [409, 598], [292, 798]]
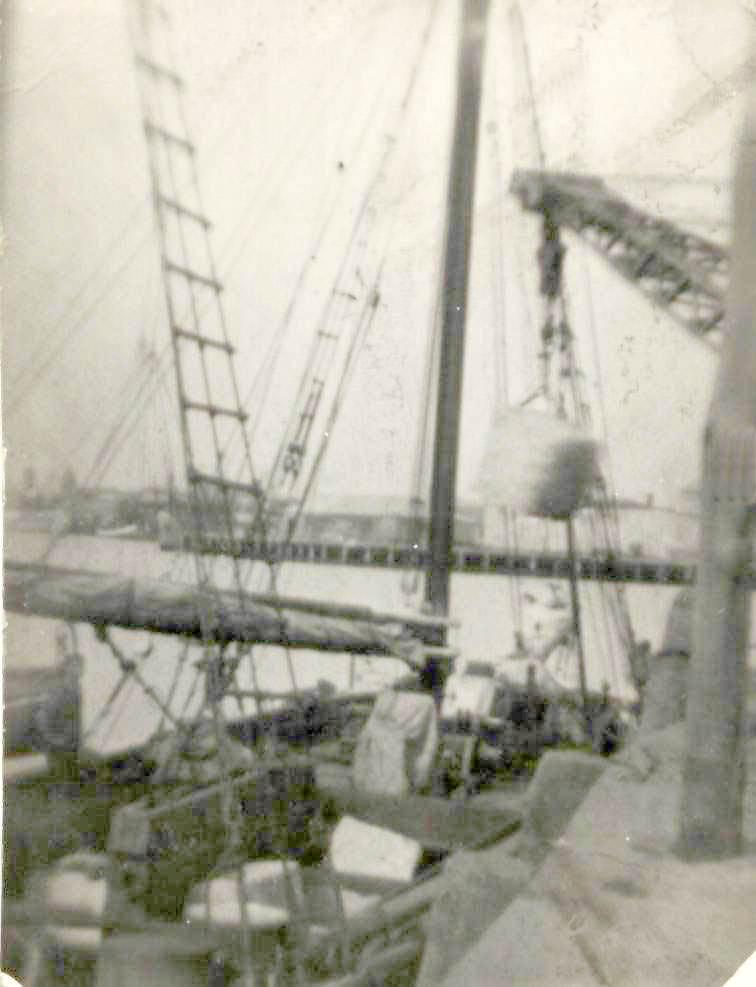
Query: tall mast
[[459, 220]]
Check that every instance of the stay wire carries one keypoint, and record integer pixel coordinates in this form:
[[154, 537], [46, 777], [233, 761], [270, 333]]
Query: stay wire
[[367, 318], [268, 367], [54, 352], [110, 450], [266, 372], [568, 367], [123, 429], [136, 216], [278, 169], [569, 379], [501, 367], [119, 406], [33, 366], [378, 176]]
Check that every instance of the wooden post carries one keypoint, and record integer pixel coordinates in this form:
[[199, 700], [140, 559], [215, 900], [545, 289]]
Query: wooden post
[[714, 770], [577, 624]]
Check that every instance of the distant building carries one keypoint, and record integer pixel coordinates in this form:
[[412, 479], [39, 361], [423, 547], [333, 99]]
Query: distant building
[[379, 520], [645, 531]]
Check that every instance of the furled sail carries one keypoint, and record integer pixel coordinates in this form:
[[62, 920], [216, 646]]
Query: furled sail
[[172, 608]]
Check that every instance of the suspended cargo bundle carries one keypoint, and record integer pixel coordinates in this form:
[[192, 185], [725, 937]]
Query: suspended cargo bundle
[[535, 463]]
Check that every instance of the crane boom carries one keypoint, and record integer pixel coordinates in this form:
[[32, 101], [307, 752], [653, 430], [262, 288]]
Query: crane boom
[[683, 273]]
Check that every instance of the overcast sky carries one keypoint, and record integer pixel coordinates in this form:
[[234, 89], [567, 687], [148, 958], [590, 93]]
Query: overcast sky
[[647, 93]]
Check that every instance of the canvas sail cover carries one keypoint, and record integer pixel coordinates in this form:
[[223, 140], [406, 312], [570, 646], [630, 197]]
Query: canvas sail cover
[[397, 747], [535, 463]]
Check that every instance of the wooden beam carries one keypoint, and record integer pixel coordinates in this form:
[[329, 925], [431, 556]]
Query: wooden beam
[[714, 770], [101, 598], [483, 561]]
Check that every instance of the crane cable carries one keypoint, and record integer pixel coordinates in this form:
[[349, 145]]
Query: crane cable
[[569, 377], [555, 294]]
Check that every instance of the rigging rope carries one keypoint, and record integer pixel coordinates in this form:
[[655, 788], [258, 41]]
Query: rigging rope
[[274, 178], [121, 402], [301, 422], [137, 216], [109, 450], [366, 320], [124, 430], [130, 667], [557, 336], [123, 706], [424, 439], [53, 352], [124, 680], [501, 368], [319, 360], [33, 372], [181, 661], [130, 675], [266, 372], [181, 261]]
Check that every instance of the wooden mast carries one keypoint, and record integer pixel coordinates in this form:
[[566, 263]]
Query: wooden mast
[[714, 772], [459, 221]]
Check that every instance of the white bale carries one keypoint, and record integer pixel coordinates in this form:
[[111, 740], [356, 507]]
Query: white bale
[[78, 886], [535, 463], [468, 695], [363, 850], [267, 887]]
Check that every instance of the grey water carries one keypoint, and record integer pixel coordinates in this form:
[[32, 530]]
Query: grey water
[[480, 607]]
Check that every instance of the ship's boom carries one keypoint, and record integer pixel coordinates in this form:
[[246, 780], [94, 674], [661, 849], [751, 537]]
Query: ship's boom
[[173, 608]]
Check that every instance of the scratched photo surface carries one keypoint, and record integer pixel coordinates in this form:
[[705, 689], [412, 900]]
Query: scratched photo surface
[[357, 361]]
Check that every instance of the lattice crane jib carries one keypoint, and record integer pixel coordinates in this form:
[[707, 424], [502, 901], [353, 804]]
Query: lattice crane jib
[[681, 272], [563, 387]]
